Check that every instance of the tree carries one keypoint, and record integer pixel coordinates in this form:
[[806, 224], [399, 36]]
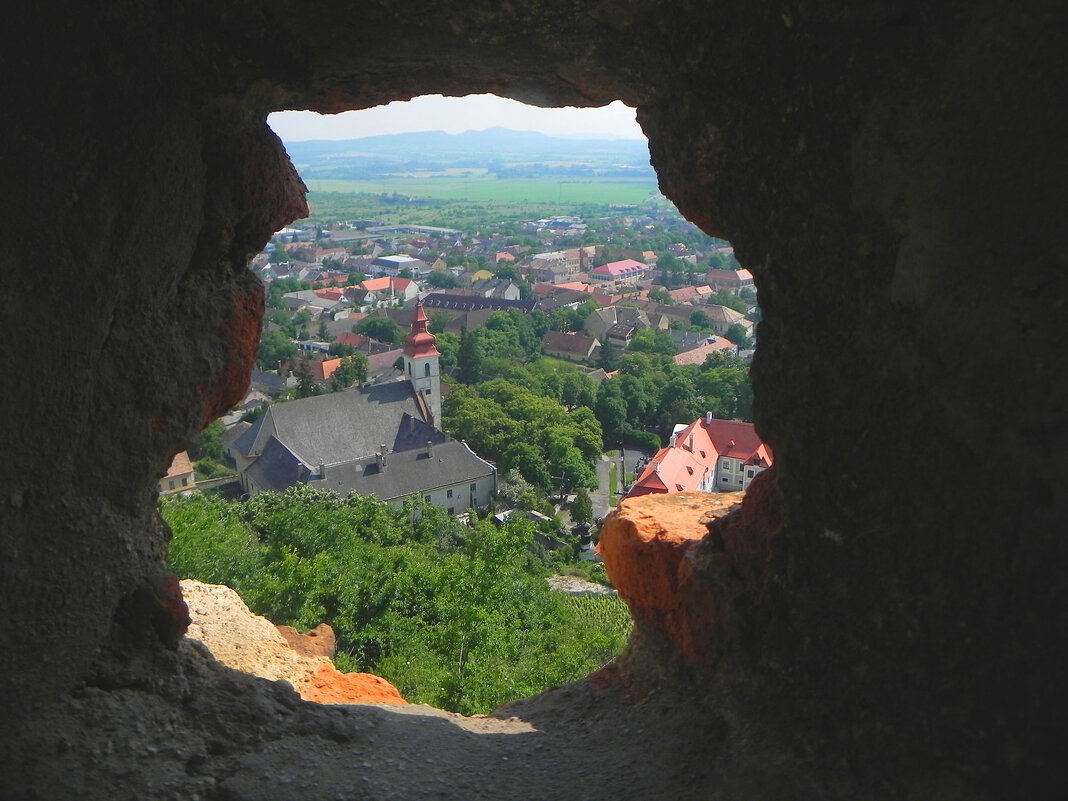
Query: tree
[[341, 349], [739, 335], [661, 296], [441, 279], [649, 340], [469, 358], [700, 319], [307, 386], [208, 444], [448, 346], [381, 328], [671, 266], [275, 347], [731, 301], [582, 507], [352, 370]]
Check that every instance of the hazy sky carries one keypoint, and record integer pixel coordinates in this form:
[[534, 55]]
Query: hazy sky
[[455, 115]]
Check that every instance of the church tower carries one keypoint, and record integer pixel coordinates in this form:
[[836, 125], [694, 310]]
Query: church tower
[[423, 367]]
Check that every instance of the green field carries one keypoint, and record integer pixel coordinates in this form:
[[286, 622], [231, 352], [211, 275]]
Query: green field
[[488, 188]]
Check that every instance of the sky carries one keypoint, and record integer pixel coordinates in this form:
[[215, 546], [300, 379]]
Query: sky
[[455, 115]]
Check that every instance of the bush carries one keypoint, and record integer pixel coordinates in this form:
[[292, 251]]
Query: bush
[[455, 616]]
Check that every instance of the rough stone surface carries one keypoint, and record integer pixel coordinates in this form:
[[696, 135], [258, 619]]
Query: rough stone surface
[[648, 547], [252, 644], [319, 641], [893, 175]]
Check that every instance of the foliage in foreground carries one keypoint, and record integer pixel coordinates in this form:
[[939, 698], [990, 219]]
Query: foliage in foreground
[[455, 616]]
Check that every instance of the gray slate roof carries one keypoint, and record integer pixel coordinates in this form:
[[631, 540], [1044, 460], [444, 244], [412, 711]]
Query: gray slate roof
[[412, 472], [337, 427]]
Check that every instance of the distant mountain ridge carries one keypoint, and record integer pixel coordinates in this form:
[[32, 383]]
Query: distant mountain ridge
[[491, 149]]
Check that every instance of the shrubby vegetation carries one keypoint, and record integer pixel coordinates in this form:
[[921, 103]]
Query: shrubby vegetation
[[652, 394], [527, 430], [455, 616]]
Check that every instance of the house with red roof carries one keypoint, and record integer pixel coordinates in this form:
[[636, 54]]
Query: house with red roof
[[391, 291], [626, 272], [179, 477], [713, 344], [708, 455]]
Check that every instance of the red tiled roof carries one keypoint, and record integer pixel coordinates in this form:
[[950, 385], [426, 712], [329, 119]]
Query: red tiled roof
[[351, 339], [180, 465], [698, 354], [618, 268], [324, 369]]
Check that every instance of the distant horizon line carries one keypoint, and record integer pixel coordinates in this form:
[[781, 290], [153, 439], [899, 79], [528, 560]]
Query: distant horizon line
[[574, 135]]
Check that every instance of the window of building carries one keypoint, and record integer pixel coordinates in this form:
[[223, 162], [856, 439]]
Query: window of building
[[185, 482], [171, 482], [749, 473], [426, 498], [726, 464], [724, 479], [474, 487], [426, 369], [448, 494]]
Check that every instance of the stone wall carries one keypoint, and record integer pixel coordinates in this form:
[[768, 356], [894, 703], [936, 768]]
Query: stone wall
[[893, 175]]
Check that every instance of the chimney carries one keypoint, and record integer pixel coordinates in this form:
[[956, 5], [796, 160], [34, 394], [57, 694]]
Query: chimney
[[380, 457], [671, 441], [429, 448], [322, 469], [691, 442], [656, 466], [708, 418]]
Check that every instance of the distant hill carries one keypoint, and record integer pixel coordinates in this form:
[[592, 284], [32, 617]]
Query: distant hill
[[494, 149]]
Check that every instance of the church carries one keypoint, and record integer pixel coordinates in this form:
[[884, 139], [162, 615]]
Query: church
[[382, 440]]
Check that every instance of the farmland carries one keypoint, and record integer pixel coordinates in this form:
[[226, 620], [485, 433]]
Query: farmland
[[488, 188]]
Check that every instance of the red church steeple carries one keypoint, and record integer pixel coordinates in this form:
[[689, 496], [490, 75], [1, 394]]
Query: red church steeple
[[420, 343]]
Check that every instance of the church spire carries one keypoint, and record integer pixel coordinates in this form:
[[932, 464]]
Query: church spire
[[421, 363], [420, 342]]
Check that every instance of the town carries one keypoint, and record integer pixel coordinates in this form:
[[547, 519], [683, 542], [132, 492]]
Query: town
[[387, 350], [467, 407]]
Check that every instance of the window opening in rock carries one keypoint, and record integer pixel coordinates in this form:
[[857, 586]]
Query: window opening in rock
[[484, 255]]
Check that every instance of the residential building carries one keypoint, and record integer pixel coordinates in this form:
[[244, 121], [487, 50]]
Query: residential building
[[623, 273], [573, 347], [698, 354], [708, 455], [179, 476], [733, 281], [723, 318], [392, 266], [555, 267]]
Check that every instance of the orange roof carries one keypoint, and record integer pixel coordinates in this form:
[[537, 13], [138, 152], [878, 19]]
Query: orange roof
[[671, 470], [698, 354], [331, 293], [578, 286], [180, 465], [324, 369], [682, 466], [385, 283]]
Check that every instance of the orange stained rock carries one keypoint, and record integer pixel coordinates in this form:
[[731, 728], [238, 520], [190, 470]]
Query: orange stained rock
[[690, 564], [329, 686]]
